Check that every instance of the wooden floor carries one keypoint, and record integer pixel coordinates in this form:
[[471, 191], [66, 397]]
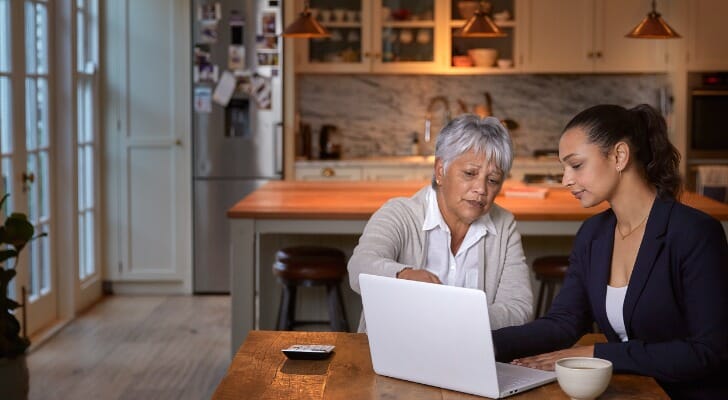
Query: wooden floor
[[163, 347]]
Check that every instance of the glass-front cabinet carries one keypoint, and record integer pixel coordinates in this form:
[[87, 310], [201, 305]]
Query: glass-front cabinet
[[481, 54], [406, 36], [366, 36]]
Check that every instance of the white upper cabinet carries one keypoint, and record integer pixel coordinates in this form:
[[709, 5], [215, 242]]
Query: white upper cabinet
[[374, 36], [708, 48], [589, 36]]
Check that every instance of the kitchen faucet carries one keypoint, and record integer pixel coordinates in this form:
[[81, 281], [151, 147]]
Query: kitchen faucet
[[428, 114]]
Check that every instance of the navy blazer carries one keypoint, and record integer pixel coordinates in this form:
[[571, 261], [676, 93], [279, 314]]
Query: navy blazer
[[675, 309]]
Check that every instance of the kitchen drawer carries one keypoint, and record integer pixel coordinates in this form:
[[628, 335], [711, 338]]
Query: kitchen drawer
[[328, 173]]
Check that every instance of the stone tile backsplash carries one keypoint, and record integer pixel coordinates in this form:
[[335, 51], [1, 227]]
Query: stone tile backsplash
[[378, 115]]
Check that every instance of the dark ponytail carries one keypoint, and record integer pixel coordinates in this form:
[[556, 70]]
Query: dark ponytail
[[644, 129], [660, 158]]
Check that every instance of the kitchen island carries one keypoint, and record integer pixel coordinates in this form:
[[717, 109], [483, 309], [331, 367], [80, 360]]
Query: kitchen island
[[343, 208]]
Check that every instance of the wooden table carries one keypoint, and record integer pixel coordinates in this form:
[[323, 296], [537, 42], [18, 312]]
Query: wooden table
[[260, 371], [299, 207]]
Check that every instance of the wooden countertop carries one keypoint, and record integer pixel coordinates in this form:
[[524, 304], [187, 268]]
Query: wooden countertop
[[358, 200], [260, 371]]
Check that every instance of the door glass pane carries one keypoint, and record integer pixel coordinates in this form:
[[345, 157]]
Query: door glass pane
[[4, 35], [81, 41], [45, 255], [5, 116], [81, 246], [88, 173], [43, 116], [44, 186], [36, 38], [32, 169], [81, 181], [343, 21], [408, 30], [31, 113], [90, 267]]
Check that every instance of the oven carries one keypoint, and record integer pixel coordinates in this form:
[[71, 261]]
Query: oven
[[708, 116]]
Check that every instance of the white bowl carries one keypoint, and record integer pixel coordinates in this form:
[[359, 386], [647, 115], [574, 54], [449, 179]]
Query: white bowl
[[483, 57], [505, 63], [583, 378]]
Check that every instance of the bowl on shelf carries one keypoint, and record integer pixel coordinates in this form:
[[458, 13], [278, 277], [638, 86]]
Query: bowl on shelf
[[484, 57], [466, 8], [462, 61], [505, 63]]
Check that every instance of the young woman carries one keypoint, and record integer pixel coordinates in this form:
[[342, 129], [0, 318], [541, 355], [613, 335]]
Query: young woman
[[652, 272]]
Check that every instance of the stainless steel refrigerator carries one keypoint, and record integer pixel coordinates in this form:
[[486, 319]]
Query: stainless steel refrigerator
[[237, 147]]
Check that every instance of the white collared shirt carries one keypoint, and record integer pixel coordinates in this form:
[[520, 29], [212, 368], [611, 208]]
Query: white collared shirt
[[459, 269]]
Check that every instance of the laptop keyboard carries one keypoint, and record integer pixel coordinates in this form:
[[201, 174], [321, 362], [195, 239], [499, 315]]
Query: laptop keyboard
[[512, 377]]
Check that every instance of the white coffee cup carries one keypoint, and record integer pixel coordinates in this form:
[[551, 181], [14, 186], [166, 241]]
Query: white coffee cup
[[583, 378]]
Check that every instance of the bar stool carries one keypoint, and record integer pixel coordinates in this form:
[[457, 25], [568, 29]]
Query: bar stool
[[550, 270], [310, 266]]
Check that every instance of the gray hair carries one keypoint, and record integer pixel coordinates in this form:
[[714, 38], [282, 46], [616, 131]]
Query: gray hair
[[483, 135]]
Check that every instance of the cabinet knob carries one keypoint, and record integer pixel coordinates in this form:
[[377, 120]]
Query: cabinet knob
[[590, 54], [328, 172], [367, 54], [598, 54], [377, 55]]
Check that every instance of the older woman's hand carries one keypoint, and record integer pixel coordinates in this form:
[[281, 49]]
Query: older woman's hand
[[418, 275], [547, 361]]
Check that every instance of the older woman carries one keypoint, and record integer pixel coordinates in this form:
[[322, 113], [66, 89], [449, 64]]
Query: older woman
[[451, 232]]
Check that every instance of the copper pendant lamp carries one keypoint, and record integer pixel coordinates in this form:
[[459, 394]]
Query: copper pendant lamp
[[480, 25], [305, 26], [653, 27]]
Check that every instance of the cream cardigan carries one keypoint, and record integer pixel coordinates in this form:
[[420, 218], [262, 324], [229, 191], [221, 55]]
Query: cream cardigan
[[393, 239]]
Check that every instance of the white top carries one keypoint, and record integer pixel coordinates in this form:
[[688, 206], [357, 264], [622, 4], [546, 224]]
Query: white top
[[459, 269], [615, 313]]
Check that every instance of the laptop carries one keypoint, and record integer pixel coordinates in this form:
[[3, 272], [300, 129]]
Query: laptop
[[438, 335]]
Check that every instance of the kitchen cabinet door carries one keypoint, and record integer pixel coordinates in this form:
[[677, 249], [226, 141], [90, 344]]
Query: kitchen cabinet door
[[706, 35], [406, 36], [616, 53], [588, 36], [348, 49], [559, 36], [506, 14], [373, 36]]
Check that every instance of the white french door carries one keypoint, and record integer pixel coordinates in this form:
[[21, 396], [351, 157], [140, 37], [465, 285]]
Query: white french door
[[49, 158], [25, 146]]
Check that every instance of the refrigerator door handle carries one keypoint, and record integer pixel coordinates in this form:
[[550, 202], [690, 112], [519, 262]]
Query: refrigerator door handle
[[278, 144]]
